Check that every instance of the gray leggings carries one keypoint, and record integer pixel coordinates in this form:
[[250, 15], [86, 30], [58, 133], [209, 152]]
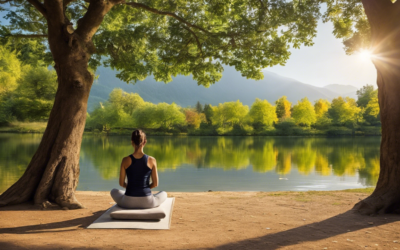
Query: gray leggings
[[138, 202]]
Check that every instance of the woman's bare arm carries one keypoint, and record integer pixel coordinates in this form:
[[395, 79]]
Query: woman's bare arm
[[154, 175], [122, 174]]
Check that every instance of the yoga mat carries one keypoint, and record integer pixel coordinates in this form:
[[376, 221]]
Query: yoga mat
[[105, 220]]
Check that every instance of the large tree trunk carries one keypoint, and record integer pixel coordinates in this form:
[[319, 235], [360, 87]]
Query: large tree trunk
[[52, 174], [54, 169], [385, 27]]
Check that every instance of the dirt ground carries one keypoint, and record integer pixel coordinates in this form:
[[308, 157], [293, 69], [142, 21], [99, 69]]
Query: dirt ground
[[210, 220]]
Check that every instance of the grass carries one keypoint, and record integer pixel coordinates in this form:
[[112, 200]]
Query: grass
[[25, 127]]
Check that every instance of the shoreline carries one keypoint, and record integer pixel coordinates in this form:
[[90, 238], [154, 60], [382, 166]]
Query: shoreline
[[192, 135], [205, 220]]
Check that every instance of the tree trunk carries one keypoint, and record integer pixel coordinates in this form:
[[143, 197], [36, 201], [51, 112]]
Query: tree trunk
[[52, 174], [385, 22], [54, 169]]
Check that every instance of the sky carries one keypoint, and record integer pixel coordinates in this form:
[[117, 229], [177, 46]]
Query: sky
[[326, 63]]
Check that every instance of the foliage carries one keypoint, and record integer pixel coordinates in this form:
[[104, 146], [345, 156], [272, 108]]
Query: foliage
[[127, 101], [372, 111], [283, 108], [350, 23], [303, 112], [344, 110], [323, 122], [199, 107], [10, 70], [194, 119], [262, 114], [227, 114], [34, 96], [321, 106], [208, 111], [365, 94]]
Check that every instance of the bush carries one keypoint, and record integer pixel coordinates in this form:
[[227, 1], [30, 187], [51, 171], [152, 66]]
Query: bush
[[338, 131], [371, 130]]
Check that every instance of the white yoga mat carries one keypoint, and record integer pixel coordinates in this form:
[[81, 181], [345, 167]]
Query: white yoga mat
[[105, 220]]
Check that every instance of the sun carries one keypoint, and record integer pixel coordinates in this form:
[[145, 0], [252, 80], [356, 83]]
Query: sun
[[365, 54]]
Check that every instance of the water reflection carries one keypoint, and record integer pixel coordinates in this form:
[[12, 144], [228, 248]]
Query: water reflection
[[277, 155]]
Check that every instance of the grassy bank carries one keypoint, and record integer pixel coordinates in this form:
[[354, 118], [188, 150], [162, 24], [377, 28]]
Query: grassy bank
[[39, 127], [24, 127]]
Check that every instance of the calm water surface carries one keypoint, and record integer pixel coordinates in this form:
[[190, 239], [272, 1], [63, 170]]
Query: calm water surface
[[216, 163]]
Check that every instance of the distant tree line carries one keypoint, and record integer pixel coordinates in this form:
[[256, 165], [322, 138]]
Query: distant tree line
[[344, 115], [28, 87]]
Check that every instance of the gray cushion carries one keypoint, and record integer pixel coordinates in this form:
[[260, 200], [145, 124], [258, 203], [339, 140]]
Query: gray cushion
[[119, 213]]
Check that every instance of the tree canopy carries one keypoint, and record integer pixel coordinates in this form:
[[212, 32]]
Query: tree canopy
[[262, 113], [283, 107], [344, 110], [164, 38], [303, 112]]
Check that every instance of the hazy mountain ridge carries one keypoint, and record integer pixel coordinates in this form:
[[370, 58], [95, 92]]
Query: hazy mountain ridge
[[184, 91]]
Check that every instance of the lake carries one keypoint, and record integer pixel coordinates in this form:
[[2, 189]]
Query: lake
[[193, 164]]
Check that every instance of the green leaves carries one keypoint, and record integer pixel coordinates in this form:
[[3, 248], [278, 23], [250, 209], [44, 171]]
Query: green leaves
[[262, 114], [303, 112], [350, 23], [165, 38]]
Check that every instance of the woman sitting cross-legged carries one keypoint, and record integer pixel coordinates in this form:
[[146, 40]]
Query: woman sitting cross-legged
[[138, 167]]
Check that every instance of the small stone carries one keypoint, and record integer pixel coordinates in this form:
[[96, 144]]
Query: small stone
[[325, 248], [304, 219], [349, 240], [395, 241], [371, 223], [268, 228], [348, 230], [334, 241]]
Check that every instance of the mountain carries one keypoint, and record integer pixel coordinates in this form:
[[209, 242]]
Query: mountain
[[343, 90], [184, 91]]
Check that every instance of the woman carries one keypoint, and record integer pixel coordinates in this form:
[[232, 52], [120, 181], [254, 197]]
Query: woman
[[138, 167]]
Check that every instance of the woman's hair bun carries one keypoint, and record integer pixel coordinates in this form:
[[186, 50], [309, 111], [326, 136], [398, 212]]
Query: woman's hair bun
[[138, 137]]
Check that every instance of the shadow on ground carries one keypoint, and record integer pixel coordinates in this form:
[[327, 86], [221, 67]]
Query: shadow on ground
[[334, 226], [60, 226]]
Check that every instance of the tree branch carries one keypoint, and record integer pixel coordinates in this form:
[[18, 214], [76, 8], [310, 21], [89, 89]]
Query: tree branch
[[166, 13], [195, 36], [39, 6], [66, 2], [90, 22]]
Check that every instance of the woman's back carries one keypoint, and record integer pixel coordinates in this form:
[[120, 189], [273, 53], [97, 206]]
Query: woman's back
[[138, 174]]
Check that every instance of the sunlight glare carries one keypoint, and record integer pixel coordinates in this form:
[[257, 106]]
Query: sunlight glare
[[365, 55]]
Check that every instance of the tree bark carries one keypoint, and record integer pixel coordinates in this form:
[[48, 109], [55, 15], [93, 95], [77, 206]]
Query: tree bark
[[52, 174], [385, 22]]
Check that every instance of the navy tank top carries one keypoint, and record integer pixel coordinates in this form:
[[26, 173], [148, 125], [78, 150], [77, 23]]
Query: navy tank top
[[138, 174]]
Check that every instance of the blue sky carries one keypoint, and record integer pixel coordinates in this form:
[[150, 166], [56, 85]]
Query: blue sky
[[327, 63]]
